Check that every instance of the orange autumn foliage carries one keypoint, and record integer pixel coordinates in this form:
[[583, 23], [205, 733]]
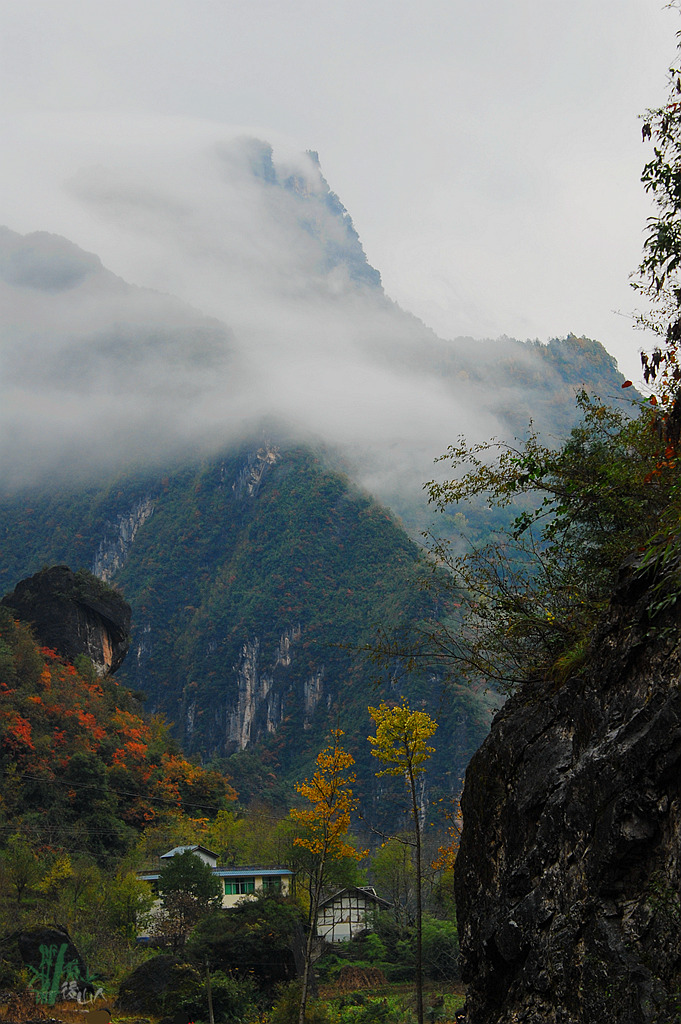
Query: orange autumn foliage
[[51, 714]]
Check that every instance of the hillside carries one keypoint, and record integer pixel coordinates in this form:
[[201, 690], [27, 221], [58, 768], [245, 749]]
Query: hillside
[[80, 769], [254, 579]]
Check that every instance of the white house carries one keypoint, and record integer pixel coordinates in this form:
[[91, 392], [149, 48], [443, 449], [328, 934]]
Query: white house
[[348, 912], [237, 883], [207, 856]]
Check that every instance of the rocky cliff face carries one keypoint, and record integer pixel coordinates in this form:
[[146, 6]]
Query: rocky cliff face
[[74, 613], [258, 706], [119, 536], [264, 693], [254, 470], [569, 872]]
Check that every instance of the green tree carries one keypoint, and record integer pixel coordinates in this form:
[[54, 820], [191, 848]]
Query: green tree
[[20, 870], [174, 829], [323, 830], [401, 744], [227, 836], [658, 277], [256, 938], [129, 903], [393, 873], [84, 884], [440, 949], [188, 890], [659, 281], [529, 596]]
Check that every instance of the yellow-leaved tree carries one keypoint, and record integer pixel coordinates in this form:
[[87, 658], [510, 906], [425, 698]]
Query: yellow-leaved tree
[[323, 828], [401, 744]]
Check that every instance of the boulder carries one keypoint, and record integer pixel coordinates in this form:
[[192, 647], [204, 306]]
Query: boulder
[[74, 613], [569, 869], [52, 959], [158, 986]]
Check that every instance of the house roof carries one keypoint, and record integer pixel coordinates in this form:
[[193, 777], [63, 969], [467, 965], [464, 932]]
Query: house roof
[[261, 872], [239, 872], [183, 849], [367, 891], [247, 870]]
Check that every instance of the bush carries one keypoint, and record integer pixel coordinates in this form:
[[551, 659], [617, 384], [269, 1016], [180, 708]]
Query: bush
[[358, 1009], [440, 949], [287, 1007], [161, 984], [365, 952], [373, 948], [393, 951], [254, 939], [234, 999]]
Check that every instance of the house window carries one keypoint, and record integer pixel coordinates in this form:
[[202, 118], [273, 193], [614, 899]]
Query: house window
[[271, 885], [239, 886]]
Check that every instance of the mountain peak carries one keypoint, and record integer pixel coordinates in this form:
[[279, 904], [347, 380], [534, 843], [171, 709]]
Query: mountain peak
[[317, 210]]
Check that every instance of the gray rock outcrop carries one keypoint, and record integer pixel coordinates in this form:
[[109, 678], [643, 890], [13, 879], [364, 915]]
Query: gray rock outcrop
[[159, 986], [119, 536], [55, 968], [568, 877], [74, 613]]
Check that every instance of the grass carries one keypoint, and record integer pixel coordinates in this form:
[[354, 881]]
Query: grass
[[393, 1003]]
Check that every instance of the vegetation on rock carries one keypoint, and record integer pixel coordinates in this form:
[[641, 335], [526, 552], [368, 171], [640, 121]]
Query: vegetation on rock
[[80, 769], [530, 596]]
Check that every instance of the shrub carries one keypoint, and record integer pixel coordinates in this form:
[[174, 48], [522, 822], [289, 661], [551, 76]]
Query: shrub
[[256, 939], [287, 1008], [234, 999], [440, 949]]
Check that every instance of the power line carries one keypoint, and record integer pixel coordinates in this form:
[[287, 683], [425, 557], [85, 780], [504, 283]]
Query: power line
[[81, 786]]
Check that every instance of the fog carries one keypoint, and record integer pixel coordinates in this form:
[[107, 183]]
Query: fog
[[170, 284]]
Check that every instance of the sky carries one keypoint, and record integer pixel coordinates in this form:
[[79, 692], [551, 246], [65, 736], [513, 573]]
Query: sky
[[489, 153]]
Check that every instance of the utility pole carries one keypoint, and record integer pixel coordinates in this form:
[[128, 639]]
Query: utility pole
[[211, 1016]]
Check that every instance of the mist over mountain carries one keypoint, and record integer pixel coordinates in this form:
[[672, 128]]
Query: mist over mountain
[[247, 294], [95, 372]]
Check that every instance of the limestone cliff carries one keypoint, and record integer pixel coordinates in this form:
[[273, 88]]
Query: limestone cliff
[[74, 613], [569, 871], [119, 536], [264, 693], [254, 470]]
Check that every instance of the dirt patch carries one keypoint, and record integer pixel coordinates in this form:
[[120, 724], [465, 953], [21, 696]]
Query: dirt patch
[[352, 978]]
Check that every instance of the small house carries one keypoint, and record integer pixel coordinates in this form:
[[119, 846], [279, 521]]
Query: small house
[[348, 912], [240, 882], [237, 883]]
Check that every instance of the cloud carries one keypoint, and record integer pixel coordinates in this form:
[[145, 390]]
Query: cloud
[[228, 285]]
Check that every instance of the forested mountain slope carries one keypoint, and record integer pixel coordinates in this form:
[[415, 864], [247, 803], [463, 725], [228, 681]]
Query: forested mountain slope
[[254, 579]]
